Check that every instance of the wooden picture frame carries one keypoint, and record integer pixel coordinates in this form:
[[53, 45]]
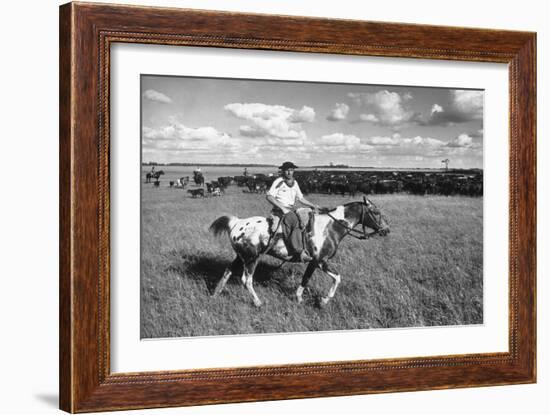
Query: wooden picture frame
[[86, 33]]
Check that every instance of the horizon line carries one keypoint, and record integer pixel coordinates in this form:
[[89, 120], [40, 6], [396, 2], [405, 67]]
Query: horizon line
[[336, 166]]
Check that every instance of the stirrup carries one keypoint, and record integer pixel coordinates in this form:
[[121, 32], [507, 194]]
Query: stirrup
[[304, 257]]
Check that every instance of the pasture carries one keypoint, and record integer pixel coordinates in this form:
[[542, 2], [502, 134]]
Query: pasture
[[427, 272]]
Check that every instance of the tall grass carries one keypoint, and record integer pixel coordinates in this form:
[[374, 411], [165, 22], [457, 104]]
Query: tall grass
[[427, 272]]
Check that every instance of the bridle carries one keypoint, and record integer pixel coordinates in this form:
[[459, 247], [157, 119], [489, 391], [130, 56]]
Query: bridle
[[351, 231]]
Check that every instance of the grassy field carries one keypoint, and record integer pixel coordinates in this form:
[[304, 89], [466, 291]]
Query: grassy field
[[427, 272]]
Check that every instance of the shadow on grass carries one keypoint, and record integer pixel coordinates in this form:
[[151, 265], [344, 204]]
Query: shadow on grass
[[210, 268]]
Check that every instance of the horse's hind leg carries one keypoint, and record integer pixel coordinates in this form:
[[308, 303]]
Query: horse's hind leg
[[227, 273], [336, 280], [305, 279], [247, 279]]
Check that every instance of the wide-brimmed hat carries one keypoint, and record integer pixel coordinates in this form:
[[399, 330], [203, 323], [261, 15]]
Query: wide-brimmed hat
[[288, 165]]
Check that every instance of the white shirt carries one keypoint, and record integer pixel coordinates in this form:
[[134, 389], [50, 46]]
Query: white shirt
[[284, 194]]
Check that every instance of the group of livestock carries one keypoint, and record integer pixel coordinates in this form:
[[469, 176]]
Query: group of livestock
[[213, 188], [447, 183], [454, 182]]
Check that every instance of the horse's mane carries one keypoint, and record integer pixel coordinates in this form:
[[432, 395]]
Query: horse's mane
[[345, 204], [352, 202]]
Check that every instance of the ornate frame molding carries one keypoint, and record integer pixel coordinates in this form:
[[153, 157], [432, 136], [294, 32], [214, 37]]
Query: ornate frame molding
[[86, 34]]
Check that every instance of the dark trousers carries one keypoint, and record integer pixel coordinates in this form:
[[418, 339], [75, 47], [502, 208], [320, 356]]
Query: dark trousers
[[292, 233]]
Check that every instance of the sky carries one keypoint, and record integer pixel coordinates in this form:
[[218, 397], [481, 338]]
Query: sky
[[216, 120]]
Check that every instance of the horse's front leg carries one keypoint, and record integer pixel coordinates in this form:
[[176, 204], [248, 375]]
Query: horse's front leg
[[336, 280], [305, 279], [247, 279]]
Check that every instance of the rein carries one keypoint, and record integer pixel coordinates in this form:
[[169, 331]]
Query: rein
[[272, 239], [358, 234]]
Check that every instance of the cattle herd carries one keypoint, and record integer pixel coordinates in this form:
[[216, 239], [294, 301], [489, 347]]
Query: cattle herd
[[452, 182]]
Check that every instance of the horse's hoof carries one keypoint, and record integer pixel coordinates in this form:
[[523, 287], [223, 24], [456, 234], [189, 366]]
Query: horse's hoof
[[258, 303], [325, 300], [299, 292]]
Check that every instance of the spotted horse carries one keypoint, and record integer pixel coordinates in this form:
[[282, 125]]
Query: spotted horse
[[251, 238]]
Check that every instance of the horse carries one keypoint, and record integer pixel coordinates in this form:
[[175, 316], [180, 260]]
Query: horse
[[154, 175], [198, 178], [251, 237]]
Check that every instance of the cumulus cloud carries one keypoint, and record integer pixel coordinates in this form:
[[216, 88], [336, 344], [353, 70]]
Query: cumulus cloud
[[275, 121], [464, 106], [397, 141], [393, 145], [339, 113], [156, 96], [382, 141], [384, 107], [424, 141], [392, 109], [306, 114], [469, 102], [461, 145], [181, 132], [397, 146], [287, 143], [177, 136], [464, 141], [436, 108], [339, 139], [339, 142], [369, 117]]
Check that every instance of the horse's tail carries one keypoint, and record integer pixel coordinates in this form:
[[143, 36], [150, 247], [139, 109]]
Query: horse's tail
[[222, 224]]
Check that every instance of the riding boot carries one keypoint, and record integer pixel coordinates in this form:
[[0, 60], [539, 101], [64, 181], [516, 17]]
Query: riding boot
[[304, 257]]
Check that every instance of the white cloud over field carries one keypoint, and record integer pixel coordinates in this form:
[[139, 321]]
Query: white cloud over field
[[464, 106], [339, 113], [177, 136], [271, 121], [392, 109], [383, 107], [156, 96], [250, 120]]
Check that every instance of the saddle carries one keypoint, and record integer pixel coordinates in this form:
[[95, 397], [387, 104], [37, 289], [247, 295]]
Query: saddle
[[306, 221], [306, 224], [306, 218]]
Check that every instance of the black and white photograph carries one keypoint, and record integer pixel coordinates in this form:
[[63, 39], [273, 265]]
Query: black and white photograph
[[273, 206]]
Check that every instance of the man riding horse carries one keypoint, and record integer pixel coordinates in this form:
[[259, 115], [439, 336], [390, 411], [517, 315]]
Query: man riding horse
[[251, 238], [198, 177], [153, 175], [283, 195]]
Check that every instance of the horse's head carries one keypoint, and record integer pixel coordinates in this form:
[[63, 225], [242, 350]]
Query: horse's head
[[371, 217]]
